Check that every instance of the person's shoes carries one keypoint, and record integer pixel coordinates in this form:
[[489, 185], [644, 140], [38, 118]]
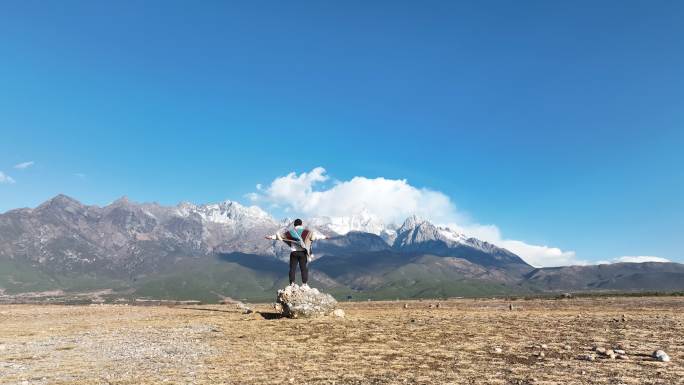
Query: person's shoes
[[305, 286]]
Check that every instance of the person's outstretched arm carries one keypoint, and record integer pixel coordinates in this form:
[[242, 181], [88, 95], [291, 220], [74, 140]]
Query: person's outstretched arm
[[274, 237]]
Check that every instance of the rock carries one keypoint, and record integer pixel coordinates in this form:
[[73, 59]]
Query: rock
[[660, 355], [304, 302], [405, 306], [567, 347], [587, 357], [439, 305], [497, 351], [544, 346], [600, 350], [244, 308], [338, 313], [619, 351], [622, 357]]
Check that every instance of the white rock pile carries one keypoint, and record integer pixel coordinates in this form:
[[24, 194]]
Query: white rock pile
[[296, 301]]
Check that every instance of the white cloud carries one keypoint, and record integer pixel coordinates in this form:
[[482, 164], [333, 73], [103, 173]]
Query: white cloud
[[391, 200], [535, 255], [24, 165], [4, 178], [640, 259], [80, 175]]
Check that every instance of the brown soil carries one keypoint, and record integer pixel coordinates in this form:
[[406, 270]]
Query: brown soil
[[377, 343]]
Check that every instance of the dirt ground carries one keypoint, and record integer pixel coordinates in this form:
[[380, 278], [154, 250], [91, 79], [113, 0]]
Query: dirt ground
[[376, 343]]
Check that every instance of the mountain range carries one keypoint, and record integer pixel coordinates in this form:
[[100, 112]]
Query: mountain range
[[208, 251]]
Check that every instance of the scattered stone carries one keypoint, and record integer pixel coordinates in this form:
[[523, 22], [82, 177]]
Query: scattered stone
[[439, 305], [567, 347], [304, 302], [619, 351], [245, 309], [622, 357], [510, 306], [498, 351], [544, 346], [566, 295], [587, 357], [338, 313], [405, 306], [660, 355], [610, 354], [600, 350], [431, 306]]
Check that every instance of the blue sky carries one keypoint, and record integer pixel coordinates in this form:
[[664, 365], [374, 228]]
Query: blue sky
[[562, 123]]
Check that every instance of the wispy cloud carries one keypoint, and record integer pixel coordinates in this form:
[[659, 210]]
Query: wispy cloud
[[24, 165], [392, 200], [80, 175], [6, 179]]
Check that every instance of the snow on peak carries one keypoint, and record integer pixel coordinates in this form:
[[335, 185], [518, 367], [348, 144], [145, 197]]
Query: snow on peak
[[362, 221], [412, 222], [227, 212]]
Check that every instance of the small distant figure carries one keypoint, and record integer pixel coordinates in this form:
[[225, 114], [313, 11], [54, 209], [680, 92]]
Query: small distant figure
[[299, 239], [510, 306]]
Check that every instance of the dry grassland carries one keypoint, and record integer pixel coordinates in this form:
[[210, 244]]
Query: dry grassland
[[377, 343]]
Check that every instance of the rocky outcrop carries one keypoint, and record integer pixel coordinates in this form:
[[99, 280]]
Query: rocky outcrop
[[296, 301]]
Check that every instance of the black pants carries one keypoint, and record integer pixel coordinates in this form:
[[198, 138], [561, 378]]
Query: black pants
[[298, 257]]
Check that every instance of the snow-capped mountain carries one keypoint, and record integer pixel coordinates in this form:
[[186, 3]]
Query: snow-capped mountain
[[227, 213], [363, 221], [420, 236], [126, 236], [193, 249], [416, 230], [129, 236]]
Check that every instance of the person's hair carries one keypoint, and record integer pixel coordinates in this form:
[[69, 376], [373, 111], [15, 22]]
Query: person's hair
[[298, 222]]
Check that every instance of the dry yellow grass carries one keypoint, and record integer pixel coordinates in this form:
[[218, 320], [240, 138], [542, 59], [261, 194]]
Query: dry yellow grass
[[377, 343]]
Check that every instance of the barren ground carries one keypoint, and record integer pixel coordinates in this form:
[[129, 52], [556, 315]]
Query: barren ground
[[377, 343]]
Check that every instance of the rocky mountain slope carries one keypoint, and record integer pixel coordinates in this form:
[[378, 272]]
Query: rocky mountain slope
[[648, 276]]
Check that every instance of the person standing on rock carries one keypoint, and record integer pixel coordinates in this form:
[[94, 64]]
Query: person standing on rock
[[299, 238]]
